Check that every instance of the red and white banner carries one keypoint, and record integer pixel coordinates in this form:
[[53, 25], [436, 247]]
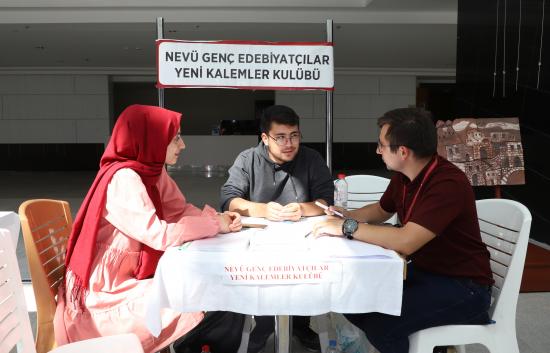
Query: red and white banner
[[286, 272], [245, 64]]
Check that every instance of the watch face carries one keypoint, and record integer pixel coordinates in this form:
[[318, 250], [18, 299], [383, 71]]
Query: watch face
[[349, 227]]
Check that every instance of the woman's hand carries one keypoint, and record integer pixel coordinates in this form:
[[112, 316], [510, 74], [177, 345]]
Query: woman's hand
[[230, 222], [332, 227]]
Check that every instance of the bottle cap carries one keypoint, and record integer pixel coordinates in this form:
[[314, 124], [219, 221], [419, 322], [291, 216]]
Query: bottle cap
[[341, 176], [205, 349]]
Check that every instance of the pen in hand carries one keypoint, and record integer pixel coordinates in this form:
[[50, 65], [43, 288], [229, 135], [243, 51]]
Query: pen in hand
[[326, 208]]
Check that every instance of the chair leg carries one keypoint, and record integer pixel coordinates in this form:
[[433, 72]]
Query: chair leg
[[502, 344], [419, 343], [323, 324], [247, 328], [45, 338]]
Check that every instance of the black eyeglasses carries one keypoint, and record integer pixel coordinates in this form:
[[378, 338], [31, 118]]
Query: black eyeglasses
[[282, 140]]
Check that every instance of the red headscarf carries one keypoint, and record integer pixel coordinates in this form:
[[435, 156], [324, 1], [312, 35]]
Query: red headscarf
[[139, 142]]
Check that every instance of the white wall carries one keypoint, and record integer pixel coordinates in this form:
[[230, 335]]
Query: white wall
[[54, 108], [75, 108], [359, 100], [214, 150]]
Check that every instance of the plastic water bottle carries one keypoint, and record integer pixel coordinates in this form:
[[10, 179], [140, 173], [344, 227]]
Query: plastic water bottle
[[205, 349], [341, 191], [332, 347]]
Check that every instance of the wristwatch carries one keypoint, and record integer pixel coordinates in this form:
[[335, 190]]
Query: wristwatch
[[349, 227]]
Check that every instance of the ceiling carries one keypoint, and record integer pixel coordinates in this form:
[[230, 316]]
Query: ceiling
[[102, 35]]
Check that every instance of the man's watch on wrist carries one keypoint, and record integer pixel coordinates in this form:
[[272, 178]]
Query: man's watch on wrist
[[349, 227]]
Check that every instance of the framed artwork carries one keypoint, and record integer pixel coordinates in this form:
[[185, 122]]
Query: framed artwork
[[488, 151]]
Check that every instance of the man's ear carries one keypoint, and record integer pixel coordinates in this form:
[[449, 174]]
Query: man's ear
[[265, 138], [404, 152]]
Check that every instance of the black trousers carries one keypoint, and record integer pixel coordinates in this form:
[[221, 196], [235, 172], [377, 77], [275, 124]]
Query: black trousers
[[221, 330], [265, 325], [429, 300]]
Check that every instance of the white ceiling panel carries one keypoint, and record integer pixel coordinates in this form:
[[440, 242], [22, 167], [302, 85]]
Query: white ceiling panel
[[404, 34]]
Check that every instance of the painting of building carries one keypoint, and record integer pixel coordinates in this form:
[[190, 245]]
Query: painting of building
[[489, 151]]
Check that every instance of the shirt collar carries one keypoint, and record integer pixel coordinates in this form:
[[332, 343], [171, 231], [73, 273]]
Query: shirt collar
[[418, 179]]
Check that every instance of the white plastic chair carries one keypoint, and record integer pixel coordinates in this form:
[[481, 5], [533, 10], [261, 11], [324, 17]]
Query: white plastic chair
[[15, 326], [366, 189], [505, 226]]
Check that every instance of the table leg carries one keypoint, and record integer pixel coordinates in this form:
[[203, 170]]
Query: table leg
[[283, 334]]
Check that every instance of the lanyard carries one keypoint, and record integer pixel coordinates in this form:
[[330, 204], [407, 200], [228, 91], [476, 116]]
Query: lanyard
[[409, 211]]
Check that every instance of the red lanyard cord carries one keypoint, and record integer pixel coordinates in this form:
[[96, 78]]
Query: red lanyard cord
[[409, 211]]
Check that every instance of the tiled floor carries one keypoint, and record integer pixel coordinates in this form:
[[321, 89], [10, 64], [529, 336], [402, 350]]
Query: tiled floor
[[200, 187]]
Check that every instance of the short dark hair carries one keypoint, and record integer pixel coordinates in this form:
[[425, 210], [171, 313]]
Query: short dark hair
[[280, 114], [412, 128]]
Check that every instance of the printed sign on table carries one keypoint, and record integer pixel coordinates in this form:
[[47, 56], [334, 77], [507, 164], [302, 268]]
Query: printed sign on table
[[248, 65], [245, 272]]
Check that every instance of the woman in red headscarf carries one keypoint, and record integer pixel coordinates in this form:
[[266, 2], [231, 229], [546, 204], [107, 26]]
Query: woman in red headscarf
[[131, 214]]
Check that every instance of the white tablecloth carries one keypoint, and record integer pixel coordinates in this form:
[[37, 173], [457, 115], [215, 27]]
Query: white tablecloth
[[10, 221], [195, 278]]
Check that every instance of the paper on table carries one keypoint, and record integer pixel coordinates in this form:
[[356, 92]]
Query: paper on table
[[223, 242], [296, 226], [255, 220], [340, 247], [277, 239], [286, 235]]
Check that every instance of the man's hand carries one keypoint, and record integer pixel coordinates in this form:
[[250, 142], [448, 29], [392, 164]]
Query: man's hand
[[330, 211], [277, 212], [291, 212], [273, 211], [230, 222], [331, 227]]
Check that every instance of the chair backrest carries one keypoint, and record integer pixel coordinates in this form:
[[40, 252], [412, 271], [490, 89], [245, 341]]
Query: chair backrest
[[505, 226], [46, 226], [15, 326], [365, 189]]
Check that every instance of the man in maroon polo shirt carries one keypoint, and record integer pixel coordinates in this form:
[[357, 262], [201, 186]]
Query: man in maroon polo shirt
[[448, 276]]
